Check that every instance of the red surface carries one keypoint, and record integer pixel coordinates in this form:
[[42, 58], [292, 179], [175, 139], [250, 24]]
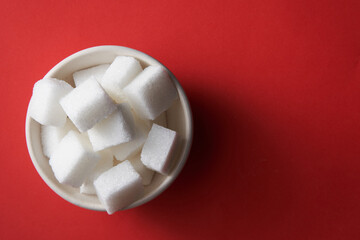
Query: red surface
[[275, 92]]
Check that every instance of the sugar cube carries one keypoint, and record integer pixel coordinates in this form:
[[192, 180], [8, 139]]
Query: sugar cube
[[44, 105], [144, 124], [129, 149], [145, 173], [120, 73], [118, 187], [83, 75], [51, 136], [151, 92], [87, 104], [73, 159], [116, 129], [104, 164], [158, 148]]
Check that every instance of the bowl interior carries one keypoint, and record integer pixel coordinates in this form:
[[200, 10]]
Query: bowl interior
[[178, 118]]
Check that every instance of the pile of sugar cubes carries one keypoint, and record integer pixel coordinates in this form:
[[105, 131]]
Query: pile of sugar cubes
[[107, 135]]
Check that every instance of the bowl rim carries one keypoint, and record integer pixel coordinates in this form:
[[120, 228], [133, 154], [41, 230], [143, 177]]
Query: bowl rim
[[188, 133]]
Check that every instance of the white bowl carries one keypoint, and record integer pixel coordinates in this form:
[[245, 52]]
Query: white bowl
[[179, 118]]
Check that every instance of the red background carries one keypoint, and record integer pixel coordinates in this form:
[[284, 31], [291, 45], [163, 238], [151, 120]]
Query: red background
[[275, 93]]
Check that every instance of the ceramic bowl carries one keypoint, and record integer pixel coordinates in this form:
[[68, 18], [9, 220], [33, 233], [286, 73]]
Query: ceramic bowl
[[179, 118]]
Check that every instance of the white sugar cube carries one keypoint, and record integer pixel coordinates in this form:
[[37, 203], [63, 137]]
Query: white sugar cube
[[145, 173], [87, 104], [73, 160], [144, 124], [51, 136], [120, 73], [129, 149], [44, 105], [118, 187], [83, 75], [151, 92], [158, 148], [118, 128], [104, 164]]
